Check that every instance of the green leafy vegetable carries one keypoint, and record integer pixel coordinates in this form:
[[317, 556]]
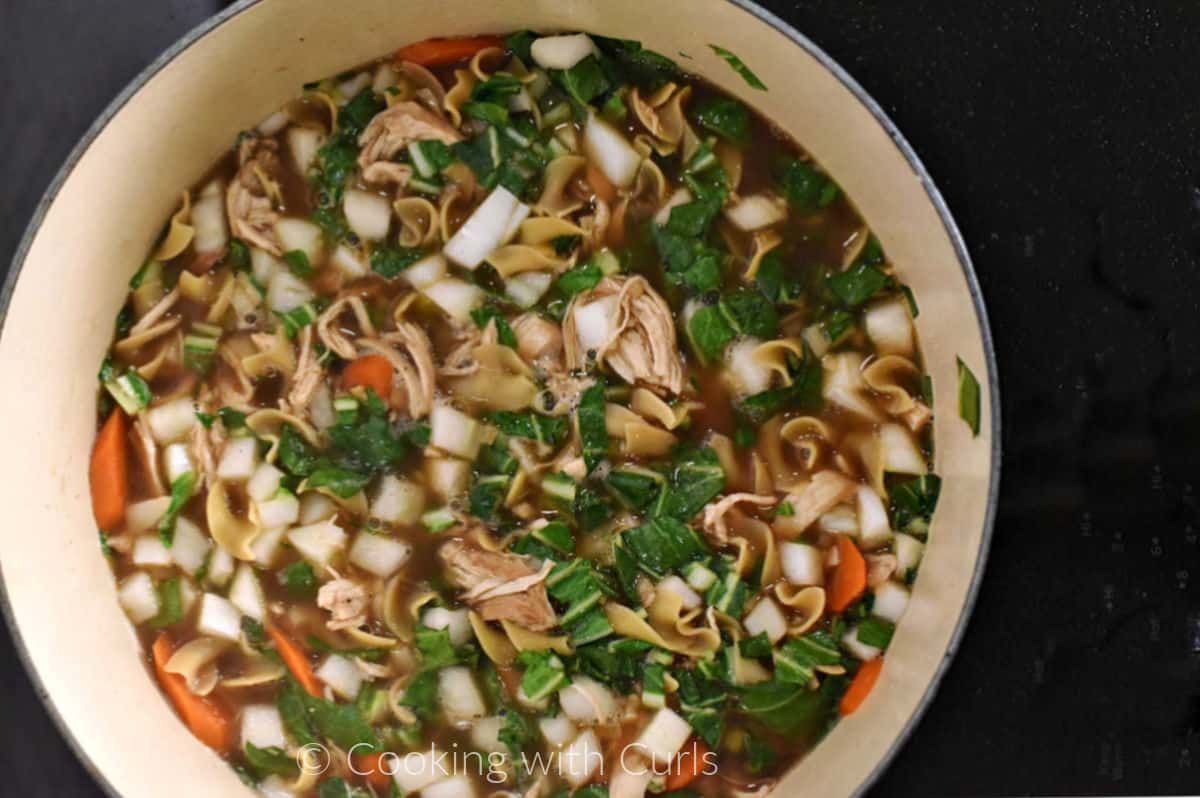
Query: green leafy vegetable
[[504, 333], [749, 312], [170, 604], [389, 262], [578, 279], [875, 631], [270, 761], [300, 580], [805, 186], [968, 397], [857, 284], [798, 657], [182, 489], [662, 545], [592, 431], [583, 82], [739, 67], [724, 116], [913, 503], [694, 479]]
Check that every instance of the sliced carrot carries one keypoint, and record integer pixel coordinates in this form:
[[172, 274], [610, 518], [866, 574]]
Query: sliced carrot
[[849, 578], [860, 686], [600, 183], [371, 769], [690, 764], [109, 472], [296, 660], [435, 52], [210, 721], [370, 371]]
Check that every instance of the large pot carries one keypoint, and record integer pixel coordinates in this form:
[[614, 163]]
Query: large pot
[[104, 209]]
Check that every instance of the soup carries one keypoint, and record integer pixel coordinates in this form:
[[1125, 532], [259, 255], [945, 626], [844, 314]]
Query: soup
[[515, 416]]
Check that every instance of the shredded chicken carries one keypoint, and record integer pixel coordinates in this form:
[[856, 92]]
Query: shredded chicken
[[641, 346], [333, 336], [249, 200], [595, 226], [538, 338], [409, 351], [499, 585], [202, 453], [714, 513], [346, 601], [308, 374], [826, 490], [460, 361], [148, 453], [234, 386], [154, 314], [391, 131]]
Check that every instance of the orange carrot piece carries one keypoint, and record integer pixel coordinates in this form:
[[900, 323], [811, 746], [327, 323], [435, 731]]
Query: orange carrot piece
[[369, 371], [435, 52], [860, 686], [109, 472], [600, 183], [849, 578], [371, 768], [296, 660], [690, 764], [209, 721]]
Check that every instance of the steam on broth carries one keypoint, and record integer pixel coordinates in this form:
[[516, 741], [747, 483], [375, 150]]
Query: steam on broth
[[527, 400]]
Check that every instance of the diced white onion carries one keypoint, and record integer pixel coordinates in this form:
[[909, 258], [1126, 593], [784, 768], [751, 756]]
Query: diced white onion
[[454, 432], [246, 593], [264, 482], [380, 555], [397, 501], [368, 214], [273, 123], [587, 702], [561, 52], [458, 695], [814, 336], [766, 617], [320, 409], [262, 726], [610, 151], [527, 288], [841, 520], [874, 530], [318, 543], [484, 229], [425, 272], [594, 322], [188, 595], [138, 597], [858, 648], [756, 212], [220, 567], [673, 584], [900, 452], [348, 262], [267, 546], [238, 459], [447, 477], [149, 551], [458, 786], [485, 735], [663, 736], [143, 515], [264, 266], [889, 326], [342, 676], [843, 385], [280, 510], [286, 292], [386, 76], [418, 769], [218, 618], [172, 420], [208, 219], [908, 552], [300, 234], [303, 143], [681, 197], [176, 460], [454, 296], [275, 787], [190, 546], [558, 731], [581, 759], [316, 507], [802, 564], [352, 86], [455, 622], [748, 374], [891, 599]]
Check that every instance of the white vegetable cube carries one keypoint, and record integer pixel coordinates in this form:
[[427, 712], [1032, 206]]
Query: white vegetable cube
[[208, 217], [303, 143], [484, 229], [459, 696], [874, 528], [342, 676], [447, 477], [348, 262], [454, 432], [454, 296], [859, 649], [748, 373], [528, 287], [300, 234], [562, 51], [144, 515], [889, 326], [246, 593], [397, 501], [176, 460], [262, 726], [587, 702], [220, 567], [418, 769], [318, 543], [802, 564], [909, 551], [149, 551], [900, 452], [190, 547], [756, 212], [172, 420], [316, 507], [275, 787], [580, 760], [891, 599], [673, 584], [610, 151], [286, 292], [218, 618], [239, 458], [841, 520], [766, 617], [267, 546], [368, 214], [558, 731], [378, 554], [594, 322], [459, 786], [664, 736], [188, 595], [425, 272], [485, 735], [455, 622], [264, 266], [264, 482], [138, 597], [280, 510]]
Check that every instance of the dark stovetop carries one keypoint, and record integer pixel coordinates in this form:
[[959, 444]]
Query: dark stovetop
[[1064, 137]]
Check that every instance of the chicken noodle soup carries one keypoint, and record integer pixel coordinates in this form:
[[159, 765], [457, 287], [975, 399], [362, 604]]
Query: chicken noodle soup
[[514, 414]]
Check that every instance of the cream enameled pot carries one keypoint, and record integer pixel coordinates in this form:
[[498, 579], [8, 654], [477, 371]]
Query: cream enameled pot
[[104, 209]]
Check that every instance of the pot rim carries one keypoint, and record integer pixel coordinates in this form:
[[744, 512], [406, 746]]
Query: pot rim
[[935, 197]]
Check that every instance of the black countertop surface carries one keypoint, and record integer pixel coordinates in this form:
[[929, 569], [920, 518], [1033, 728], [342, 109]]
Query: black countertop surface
[[1064, 138]]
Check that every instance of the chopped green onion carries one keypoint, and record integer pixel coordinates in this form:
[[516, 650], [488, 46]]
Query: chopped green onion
[[425, 186], [544, 673], [298, 318], [346, 408], [653, 690], [297, 260], [438, 520], [875, 631], [130, 391], [699, 577], [559, 486]]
